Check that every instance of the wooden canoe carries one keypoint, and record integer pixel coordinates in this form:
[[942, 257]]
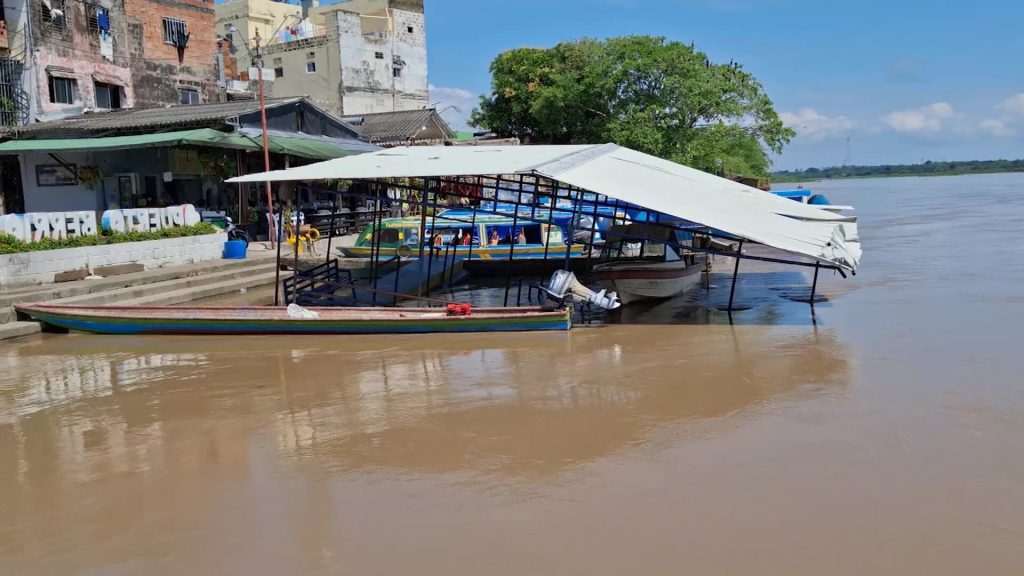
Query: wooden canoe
[[267, 320]]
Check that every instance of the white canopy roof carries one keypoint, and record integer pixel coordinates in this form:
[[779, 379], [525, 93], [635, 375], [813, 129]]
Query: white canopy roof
[[617, 172]]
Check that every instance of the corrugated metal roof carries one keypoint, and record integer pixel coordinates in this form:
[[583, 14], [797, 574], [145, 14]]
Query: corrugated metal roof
[[401, 126], [183, 116]]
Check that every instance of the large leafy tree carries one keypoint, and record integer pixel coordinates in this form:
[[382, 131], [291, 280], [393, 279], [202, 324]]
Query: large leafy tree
[[657, 96]]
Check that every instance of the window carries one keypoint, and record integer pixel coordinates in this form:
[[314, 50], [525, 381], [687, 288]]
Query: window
[[54, 17], [97, 20], [278, 68], [63, 90], [396, 72], [378, 55], [107, 95], [310, 62], [175, 32], [409, 28], [189, 96]]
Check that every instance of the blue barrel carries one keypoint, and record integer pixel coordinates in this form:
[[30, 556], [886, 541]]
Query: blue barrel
[[234, 249]]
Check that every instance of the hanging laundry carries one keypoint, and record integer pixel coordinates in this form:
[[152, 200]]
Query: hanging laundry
[[102, 20], [106, 45]]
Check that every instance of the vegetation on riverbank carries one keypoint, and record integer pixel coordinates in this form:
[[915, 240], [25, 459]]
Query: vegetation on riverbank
[[12, 245], [926, 169]]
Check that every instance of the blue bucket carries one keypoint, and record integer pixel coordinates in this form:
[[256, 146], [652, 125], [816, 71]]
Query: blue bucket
[[234, 249]]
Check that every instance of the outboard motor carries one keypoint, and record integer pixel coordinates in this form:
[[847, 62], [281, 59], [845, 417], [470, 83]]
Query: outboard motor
[[564, 284]]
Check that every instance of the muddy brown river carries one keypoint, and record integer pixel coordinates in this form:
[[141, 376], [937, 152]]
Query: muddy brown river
[[883, 435]]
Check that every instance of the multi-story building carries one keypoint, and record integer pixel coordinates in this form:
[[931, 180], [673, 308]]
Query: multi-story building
[[70, 56], [354, 57]]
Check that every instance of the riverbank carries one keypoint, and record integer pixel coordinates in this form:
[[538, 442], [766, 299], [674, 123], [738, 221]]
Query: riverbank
[[970, 168]]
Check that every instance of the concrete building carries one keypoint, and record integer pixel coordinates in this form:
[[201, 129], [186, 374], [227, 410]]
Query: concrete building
[[70, 56], [354, 57]]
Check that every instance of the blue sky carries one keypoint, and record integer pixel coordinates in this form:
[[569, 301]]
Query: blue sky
[[904, 80]]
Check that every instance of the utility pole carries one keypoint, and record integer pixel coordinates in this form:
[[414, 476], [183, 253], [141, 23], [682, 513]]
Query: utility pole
[[266, 141]]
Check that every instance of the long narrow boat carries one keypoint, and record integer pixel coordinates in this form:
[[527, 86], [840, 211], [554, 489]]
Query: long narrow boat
[[266, 320]]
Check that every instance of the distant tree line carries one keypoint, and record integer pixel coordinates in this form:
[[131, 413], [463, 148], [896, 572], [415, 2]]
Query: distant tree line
[[928, 168]]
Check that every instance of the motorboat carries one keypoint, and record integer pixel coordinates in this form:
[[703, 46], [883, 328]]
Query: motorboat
[[642, 262]]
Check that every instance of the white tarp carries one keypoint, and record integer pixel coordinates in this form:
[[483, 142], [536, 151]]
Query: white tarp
[[621, 173]]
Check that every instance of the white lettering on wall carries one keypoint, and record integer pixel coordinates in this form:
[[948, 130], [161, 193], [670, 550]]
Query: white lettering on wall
[[35, 226]]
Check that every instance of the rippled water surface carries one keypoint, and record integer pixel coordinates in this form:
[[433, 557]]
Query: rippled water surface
[[884, 437]]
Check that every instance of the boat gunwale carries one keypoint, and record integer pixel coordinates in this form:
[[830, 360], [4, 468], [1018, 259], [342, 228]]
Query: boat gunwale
[[271, 314]]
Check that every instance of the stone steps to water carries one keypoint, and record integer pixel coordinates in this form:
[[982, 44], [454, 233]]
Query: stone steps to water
[[12, 330], [151, 293], [159, 288], [28, 294], [204, 290]]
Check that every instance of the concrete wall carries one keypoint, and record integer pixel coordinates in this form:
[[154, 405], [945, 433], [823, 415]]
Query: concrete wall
[[158, 70], [321, 86], [350, 78], [149, 68], [39, 267], [152, 162], [248, 16], [368, 84]]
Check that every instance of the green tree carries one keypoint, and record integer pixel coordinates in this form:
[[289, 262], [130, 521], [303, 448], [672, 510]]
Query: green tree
[[657, 96]]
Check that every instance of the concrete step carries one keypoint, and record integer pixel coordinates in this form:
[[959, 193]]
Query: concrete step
[[13, 330], [204, 290], [27, 294], [240, 277]]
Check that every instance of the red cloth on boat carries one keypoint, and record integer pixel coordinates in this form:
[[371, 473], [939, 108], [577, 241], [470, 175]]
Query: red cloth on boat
[[460, 310]]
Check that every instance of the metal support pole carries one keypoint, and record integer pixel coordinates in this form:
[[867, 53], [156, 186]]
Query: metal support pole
[[296, 227], [398, 270], [512, 239], [472, 229], [430, 239], [814, 285], [266, 140], [572, 232], [277, 272], [551, 218], [735, 274], [379, 220], [330, 236], [422, 234]]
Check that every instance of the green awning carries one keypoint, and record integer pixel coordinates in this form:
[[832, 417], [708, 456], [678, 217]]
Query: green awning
[[198, 137], [302, 147]]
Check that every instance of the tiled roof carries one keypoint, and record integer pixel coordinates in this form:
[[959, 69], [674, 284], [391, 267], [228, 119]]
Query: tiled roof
[[149, 119], [401, 126]]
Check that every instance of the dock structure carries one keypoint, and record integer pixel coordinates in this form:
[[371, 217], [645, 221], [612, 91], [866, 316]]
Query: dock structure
[[412, 279], [583, 187]]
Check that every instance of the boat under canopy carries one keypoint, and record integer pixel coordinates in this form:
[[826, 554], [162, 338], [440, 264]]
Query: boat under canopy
[[658, 185]]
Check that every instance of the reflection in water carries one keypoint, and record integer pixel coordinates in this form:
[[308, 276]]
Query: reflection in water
[[536, 404], [91, 427]]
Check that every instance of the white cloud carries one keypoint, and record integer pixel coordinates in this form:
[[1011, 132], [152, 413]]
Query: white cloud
[[1014, 105], [925, 119], [995, 127], [454, 104], [808, 122]]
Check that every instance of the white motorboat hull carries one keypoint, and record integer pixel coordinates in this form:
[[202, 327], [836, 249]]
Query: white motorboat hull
[[635, 281]]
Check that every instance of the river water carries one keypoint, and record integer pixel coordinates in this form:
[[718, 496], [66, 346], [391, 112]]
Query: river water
[[884, 435]]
